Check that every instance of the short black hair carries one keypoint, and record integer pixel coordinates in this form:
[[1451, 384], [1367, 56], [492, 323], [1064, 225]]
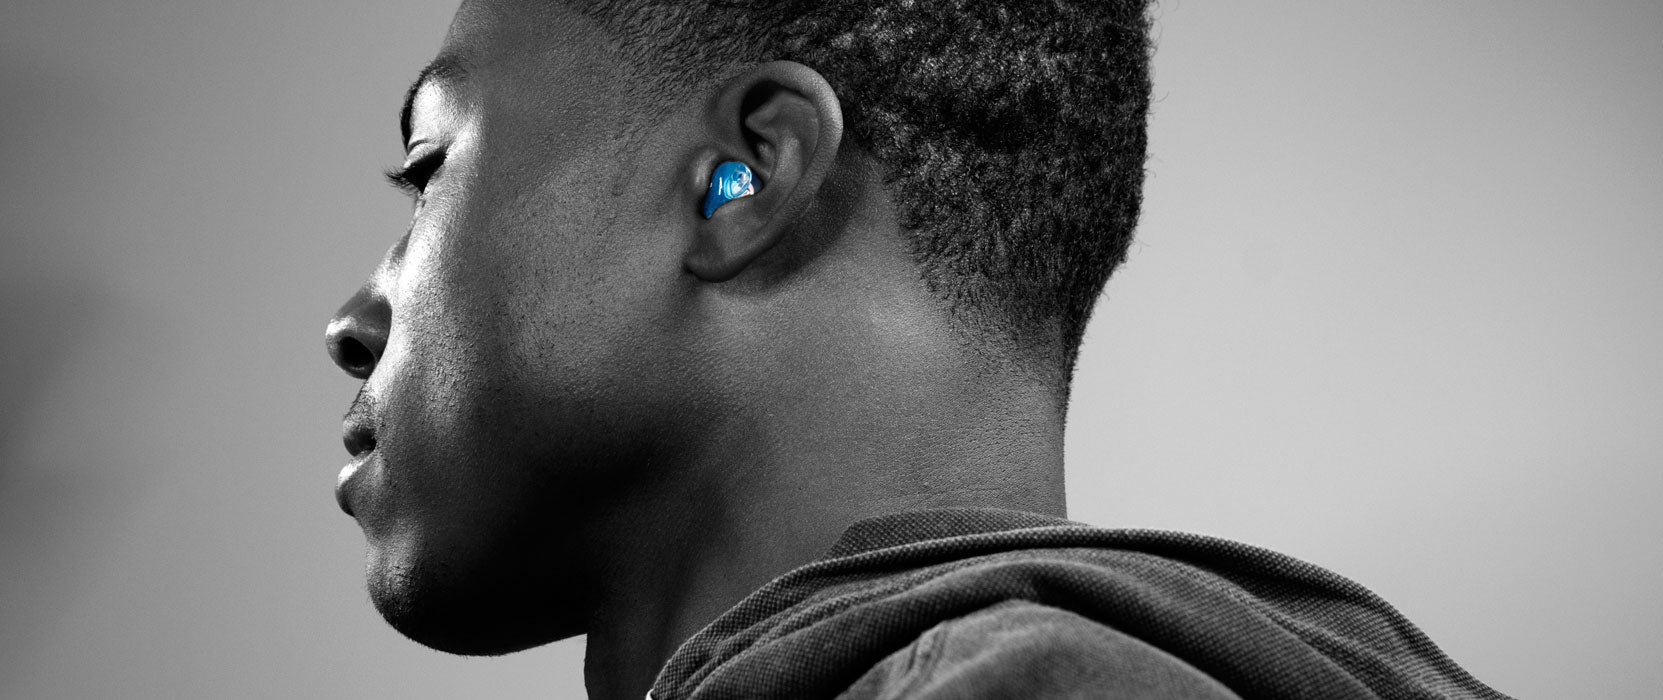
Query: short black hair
[[1013, 134]]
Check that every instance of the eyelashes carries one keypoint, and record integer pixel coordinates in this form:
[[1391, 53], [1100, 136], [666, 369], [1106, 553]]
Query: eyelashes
[[412, 179]]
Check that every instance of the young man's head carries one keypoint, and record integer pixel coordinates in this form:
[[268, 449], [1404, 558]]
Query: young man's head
[[573, 378]]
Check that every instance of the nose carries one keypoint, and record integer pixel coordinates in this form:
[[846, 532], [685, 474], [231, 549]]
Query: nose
[[357, 335]]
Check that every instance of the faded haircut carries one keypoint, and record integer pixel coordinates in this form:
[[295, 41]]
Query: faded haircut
[[1012, 134]]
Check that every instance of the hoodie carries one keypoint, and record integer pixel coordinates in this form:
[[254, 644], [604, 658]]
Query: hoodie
[[989, 603]]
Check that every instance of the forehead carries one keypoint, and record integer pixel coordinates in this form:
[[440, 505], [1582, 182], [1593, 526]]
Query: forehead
[[533, 71], [502, 35], [534, 64]]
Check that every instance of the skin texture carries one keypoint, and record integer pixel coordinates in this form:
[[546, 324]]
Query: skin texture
[[588, 410]]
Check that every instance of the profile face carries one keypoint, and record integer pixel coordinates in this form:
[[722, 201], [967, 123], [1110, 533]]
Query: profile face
[[525, 381]]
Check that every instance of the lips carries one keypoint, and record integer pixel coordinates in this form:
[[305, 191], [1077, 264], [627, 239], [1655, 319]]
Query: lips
[[358, 438], [345, 484], [358, 434]]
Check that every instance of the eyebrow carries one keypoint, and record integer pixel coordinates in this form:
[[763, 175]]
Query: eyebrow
[[447, 68]]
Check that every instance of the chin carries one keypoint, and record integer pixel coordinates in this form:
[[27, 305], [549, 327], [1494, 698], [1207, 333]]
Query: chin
[[471, 613]]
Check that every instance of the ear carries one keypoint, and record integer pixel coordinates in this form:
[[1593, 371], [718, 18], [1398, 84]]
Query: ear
[[783, 120]]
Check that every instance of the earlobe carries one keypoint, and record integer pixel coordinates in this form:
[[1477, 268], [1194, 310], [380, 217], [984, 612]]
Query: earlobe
[[782, 123]]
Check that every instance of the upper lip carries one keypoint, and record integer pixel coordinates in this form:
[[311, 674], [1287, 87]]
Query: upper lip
[[358, 427]]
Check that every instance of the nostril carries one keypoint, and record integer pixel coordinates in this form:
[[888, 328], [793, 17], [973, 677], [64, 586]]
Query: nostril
[[355, 357], [357, 335]]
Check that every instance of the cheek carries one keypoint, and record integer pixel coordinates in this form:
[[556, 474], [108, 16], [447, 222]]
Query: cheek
[[523, 365], [533, 356], [579, 291]]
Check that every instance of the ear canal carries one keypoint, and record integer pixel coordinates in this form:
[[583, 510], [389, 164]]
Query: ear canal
[[731, 180]]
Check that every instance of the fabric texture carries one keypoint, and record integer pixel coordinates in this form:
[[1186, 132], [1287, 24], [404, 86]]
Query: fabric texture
[[1020, 649], [986, 603]]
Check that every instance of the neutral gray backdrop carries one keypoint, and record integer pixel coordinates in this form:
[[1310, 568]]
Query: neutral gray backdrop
[[1396, 309]]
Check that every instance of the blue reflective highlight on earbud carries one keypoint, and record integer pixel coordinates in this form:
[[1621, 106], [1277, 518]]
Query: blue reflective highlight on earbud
[[731, 180]]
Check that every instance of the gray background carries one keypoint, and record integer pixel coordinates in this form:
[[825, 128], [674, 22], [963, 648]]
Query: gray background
[[1395, 310]]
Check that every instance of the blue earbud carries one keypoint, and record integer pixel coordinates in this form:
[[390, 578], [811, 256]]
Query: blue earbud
[[731, 180]]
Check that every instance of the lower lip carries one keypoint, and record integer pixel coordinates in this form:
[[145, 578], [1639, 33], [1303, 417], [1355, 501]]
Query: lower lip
[[347, 480]]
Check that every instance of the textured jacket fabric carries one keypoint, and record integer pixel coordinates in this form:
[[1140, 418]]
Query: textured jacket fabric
[[987, 603]]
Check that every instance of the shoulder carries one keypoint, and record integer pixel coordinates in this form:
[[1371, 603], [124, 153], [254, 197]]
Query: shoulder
[[1029, 650]]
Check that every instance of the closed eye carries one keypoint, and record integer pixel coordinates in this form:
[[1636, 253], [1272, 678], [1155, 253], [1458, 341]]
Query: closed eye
[[412, 178]]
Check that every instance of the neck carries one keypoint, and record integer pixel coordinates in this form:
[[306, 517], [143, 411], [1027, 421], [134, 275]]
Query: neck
[[858, 401], [811, 468]]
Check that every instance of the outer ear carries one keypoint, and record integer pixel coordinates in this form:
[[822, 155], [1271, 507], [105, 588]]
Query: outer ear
[[783, 120]]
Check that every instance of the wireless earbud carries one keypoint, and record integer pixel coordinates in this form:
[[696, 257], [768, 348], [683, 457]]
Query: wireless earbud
[[731, 180]]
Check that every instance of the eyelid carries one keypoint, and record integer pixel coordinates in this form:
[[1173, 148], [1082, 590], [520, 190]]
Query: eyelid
[[413, 176]]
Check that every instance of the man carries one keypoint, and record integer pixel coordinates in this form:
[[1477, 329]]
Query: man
[[737, 336]]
